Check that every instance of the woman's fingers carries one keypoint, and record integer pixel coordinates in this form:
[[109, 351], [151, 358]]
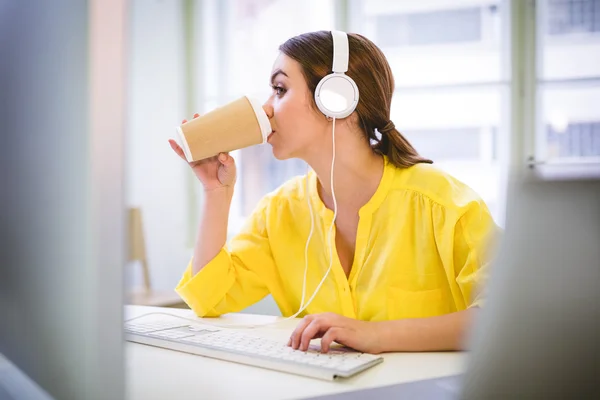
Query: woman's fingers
[[296, 336], [185, 120], [335, 334], [226, 159], [177, 149], [312, 331]]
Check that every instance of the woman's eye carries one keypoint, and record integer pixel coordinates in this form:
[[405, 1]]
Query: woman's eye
[[279, 91]]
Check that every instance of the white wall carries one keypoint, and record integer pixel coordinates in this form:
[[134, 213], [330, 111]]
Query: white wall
[[156, 103]]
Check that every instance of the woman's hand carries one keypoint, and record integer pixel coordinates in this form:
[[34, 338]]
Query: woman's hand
[[215, 172], [330, 327]]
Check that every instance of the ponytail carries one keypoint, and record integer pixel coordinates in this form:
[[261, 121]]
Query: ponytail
[[396, 147]]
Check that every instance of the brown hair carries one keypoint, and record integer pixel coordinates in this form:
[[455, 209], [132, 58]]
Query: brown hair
[[369, 68]]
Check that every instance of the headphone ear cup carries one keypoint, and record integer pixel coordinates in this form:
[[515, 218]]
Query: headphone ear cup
[[336, 95]]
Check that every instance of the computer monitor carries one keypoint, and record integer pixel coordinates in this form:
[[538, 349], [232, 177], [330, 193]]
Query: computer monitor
[[539, 333], [62, 198]]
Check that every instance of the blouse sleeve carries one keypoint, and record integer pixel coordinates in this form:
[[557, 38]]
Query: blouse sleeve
[[468, 247], [238, 276]]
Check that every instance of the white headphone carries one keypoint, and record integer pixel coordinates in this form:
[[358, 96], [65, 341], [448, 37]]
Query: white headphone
[[337, 94]]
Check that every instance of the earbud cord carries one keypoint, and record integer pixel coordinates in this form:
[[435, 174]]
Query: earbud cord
[[329, 237]]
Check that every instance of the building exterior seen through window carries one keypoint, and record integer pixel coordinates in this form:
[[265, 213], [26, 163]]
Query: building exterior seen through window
[[569, 80], [571, 16]]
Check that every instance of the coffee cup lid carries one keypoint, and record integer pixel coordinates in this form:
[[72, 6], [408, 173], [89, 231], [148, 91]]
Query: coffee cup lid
[[261, 116]]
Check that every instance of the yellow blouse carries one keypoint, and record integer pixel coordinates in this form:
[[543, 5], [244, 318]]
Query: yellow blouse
[[422, 243]]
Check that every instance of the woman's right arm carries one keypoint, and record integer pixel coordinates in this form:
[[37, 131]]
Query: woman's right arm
[[217, 175], [212, 233], [217, 280]]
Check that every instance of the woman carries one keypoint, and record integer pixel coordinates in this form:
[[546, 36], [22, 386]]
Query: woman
[[409, 242]]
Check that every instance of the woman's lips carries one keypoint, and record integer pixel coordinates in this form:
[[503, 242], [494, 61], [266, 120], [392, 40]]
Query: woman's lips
[[269, 137]]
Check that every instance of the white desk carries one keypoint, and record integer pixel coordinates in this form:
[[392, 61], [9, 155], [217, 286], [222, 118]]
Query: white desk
[[154, 373]]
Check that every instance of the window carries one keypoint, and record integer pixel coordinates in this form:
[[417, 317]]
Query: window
[[262, 173], [438, 27], [573, 16], [576, 140], [452, 83], [568, 126], [466, 144]]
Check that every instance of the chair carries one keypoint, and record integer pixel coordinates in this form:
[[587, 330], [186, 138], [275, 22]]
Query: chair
[[145, 296]]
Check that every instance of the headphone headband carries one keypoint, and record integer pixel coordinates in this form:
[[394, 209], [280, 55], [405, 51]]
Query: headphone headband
[[341, 52]]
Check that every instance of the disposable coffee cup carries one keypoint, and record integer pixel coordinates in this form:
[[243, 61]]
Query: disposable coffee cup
[[239, 124]]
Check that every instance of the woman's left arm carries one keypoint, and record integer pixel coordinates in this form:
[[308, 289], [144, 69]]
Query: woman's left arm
[[444, 332], [440, 333]]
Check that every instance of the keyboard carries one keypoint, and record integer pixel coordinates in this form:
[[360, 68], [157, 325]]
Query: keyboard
[[232, 345]]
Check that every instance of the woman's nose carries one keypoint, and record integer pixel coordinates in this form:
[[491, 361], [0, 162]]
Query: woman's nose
[[268, 109]]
